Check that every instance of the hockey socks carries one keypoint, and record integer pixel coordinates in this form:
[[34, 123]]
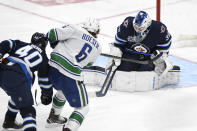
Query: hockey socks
[[29, 118], [10, 116]]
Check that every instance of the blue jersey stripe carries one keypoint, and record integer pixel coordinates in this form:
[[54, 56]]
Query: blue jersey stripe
[[24, 68]]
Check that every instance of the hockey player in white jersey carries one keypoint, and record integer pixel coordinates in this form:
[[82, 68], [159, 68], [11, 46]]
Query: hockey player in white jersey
[[74, 48]]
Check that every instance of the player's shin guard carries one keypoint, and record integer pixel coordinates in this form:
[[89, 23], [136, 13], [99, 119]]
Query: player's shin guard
[[59, 101], [29, 118], [76, 119], [10, 116]]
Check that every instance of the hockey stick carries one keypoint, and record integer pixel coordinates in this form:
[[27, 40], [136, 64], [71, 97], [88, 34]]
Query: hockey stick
[[150, 62], [107, 82], [102, 92], [36, 97]]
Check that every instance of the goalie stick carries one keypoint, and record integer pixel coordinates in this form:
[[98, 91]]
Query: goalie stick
[[107, 81], [111, 73], [150, 62]]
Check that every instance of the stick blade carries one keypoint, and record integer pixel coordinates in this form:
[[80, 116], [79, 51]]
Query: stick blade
[[100, 94]]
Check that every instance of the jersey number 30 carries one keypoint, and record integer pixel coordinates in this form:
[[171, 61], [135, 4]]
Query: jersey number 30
[[84, 52]]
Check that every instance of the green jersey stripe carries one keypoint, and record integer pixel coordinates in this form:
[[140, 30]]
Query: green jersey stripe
[[82, 93], [63, 62], [52, 35]]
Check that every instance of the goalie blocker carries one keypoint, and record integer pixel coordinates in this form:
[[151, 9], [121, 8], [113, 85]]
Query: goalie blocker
[[131, 81]]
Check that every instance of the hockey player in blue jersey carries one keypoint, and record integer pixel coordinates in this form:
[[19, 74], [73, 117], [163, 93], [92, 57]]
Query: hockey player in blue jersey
[[141, 38], [17, 77]]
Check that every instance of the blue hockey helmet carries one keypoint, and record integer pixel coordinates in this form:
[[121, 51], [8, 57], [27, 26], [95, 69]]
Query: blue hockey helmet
[[39, 39], [141, 22]]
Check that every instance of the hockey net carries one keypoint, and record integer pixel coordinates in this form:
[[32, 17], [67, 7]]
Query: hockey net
[[178, 21], [184, 40]]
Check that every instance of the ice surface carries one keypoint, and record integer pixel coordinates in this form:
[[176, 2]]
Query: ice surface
[[168, 109]]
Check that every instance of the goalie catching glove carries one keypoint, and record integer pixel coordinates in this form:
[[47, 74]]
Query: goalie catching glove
[[162, 64]]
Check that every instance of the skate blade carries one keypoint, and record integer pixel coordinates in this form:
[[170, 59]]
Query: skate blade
[[53, 125]]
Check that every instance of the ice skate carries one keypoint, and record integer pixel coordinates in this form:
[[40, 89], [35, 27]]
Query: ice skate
[[55, 120], [65, 129], [9, 125]]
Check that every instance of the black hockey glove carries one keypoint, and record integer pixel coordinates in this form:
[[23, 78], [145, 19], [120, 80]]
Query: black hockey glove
[[53, 44], [46, 96]]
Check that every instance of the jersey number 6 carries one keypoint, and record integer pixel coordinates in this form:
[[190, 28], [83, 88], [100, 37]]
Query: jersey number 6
[[83, 53]]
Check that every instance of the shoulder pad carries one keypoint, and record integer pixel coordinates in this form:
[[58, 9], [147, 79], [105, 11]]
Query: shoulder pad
[[128, 21]]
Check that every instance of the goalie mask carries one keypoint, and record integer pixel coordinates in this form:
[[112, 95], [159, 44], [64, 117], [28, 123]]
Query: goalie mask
[[141, 22], [39, 39], [92, 26]]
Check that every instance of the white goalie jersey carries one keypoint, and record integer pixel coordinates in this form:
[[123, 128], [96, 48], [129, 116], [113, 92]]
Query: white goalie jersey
[[76, 48]]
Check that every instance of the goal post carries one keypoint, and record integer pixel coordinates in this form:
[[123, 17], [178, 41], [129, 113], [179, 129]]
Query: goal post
[[158, 9]]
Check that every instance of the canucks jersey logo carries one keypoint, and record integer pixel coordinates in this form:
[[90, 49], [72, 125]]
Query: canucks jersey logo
[[140, 48]]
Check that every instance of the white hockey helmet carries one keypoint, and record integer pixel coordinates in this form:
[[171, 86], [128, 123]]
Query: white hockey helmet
[[92, 25], [141, 22]]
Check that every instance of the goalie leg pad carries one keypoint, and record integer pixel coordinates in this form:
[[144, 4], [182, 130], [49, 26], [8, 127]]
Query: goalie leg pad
[[172, 77], [94, 76], [135, 81], [145, 80]]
